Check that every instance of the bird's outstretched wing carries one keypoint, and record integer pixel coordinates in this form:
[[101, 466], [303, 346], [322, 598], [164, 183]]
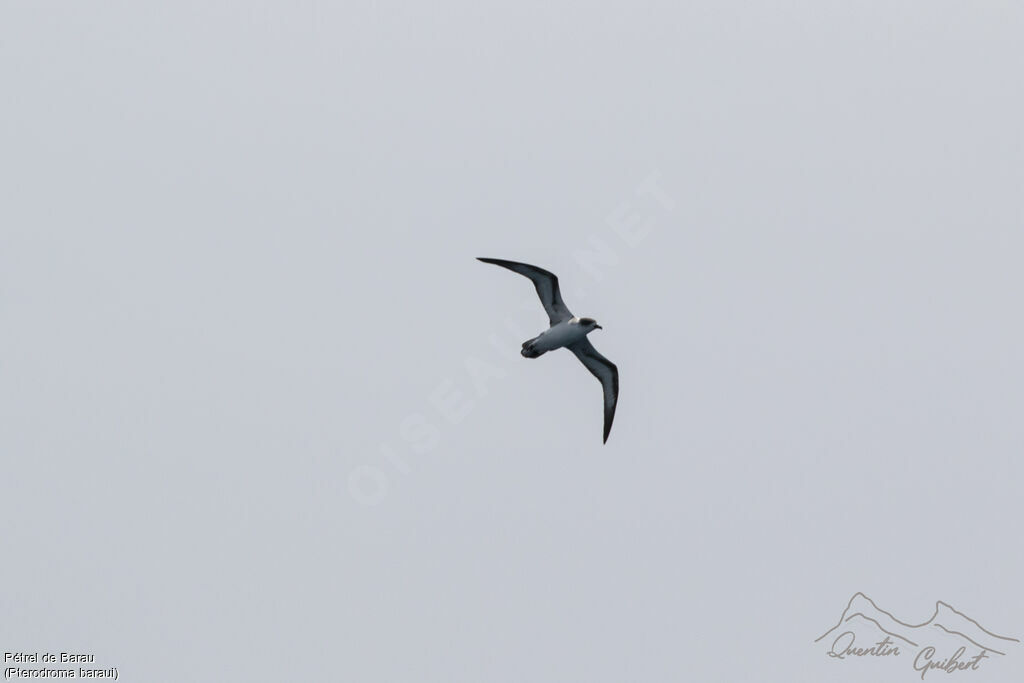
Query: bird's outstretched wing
[[606, 372], [546, 284]]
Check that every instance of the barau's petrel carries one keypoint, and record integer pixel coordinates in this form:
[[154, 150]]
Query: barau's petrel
[[569, 331]]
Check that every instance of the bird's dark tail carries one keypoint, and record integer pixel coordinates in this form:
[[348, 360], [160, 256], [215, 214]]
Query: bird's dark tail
[[529, 351]]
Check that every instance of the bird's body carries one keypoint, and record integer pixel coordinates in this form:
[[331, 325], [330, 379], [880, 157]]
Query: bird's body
[[559, 335], [567, 331]]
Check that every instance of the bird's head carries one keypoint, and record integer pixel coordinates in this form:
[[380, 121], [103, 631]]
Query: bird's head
[[589, 324]]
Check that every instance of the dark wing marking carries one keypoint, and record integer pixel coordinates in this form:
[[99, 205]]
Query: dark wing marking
[[606, 372], [546, 284]]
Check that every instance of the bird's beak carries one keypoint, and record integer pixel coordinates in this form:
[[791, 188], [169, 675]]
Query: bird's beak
[[598, 327]]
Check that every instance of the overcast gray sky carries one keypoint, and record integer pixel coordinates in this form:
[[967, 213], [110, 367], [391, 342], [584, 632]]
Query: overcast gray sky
[[264, 416]]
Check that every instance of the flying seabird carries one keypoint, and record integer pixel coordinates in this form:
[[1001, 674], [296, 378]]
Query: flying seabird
[[569, 331]]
